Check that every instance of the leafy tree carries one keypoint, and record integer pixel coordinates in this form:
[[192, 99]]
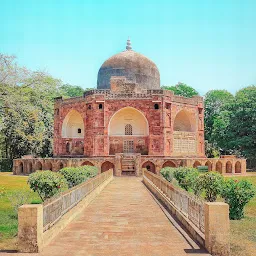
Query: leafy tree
[[71, 91], [215, 102], [182, 90]]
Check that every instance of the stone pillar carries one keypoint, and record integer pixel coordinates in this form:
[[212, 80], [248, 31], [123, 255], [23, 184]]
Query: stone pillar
[[118, 164], [30, 228], [217, 240]]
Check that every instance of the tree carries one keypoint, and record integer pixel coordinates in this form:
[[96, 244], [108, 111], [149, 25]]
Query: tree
[[71, 91], [182, 90], [215, 102]]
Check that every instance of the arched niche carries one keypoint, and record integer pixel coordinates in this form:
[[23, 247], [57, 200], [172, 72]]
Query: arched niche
[[149, 166], [196, 164], [209, 165], [183, 122], [228, 167], [73, 125], [218, 167], [238, 167], [87, 163], [169, 164], [38, 166], [107, 166], [128, 121]]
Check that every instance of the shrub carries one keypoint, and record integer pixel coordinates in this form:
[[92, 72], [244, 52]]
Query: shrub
[[186, 177], [202, 168], [74, 176], [168, 173], [47, 183], [237, 194], [91, 171], [211, 183]]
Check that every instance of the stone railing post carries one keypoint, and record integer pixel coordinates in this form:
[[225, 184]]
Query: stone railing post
[[217, 240], [30, 229]]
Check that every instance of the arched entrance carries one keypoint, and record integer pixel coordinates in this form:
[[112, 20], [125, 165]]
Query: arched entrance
[[196, 164], [149, 166], [218, 167], [38, 166], [238, 168], [228, 167], [30, 167], [128, 131], [87, 163], [107, 166], [20, 168], [48, 166], [169, 164], [209, 165]]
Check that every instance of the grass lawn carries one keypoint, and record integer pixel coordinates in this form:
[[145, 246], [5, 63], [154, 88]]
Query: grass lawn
[[8, 219], [243, 232]]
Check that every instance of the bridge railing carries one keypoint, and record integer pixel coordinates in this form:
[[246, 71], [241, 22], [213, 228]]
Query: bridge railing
[[38, 224], [55, 208], [190, 206]]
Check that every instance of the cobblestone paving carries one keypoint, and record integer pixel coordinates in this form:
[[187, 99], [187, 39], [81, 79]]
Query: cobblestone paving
[[123, 220]]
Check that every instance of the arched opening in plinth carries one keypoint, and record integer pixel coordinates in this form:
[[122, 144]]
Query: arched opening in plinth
[[87, 163], [48, 166], [169, 164], [238, 167], [218, 167], [30, 167], [107, 166], [228, 167], [209, 165], [61, 165], [20, 168], [38, 166], [196, 164], [149, 166]]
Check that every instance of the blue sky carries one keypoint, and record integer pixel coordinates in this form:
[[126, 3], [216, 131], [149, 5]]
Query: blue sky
[[208, 44]]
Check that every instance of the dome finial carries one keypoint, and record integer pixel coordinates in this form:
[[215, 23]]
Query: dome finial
[[128, 44]]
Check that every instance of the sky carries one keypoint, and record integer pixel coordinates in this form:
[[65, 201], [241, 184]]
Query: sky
[[207, 44]]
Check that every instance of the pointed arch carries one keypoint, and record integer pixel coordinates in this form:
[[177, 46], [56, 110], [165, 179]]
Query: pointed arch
[[107, 166], [169, 163], [228, 167], [38, 166], [150, 166], [183, 122], [20, 168], [128, 116], [218, 167], [73, 125], [209, 165], [87, 163], [196, 164], [238, 167]]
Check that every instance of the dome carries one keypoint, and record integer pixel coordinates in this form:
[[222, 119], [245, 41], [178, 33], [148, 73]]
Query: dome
[[134, 66]]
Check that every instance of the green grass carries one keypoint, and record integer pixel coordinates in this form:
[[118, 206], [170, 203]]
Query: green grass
[[8, 218], [243, 232]]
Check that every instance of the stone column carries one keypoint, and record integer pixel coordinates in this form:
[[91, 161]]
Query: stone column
[[217, 240], [30, 228]]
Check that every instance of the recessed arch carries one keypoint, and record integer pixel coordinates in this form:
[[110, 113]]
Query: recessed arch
[[20, 168], [73, 125], [169, 163], [38, 166], [196, 164], [48, 166], [218, 167], [128, 116], [228, 167], [107, 166], [61, 165], [209, 165], [30, 167], [150, 166], [238, 167], [87, 163], [183, 122]]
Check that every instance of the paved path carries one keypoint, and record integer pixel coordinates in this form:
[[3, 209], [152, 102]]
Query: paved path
[[123, 220]]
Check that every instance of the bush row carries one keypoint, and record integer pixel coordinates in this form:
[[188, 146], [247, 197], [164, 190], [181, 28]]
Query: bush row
[[211, 185], [48, 183]]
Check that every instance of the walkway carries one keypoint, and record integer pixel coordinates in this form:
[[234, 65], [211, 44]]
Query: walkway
[[123, 220]]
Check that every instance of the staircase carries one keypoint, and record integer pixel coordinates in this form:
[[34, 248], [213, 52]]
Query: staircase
[[128, 165]]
